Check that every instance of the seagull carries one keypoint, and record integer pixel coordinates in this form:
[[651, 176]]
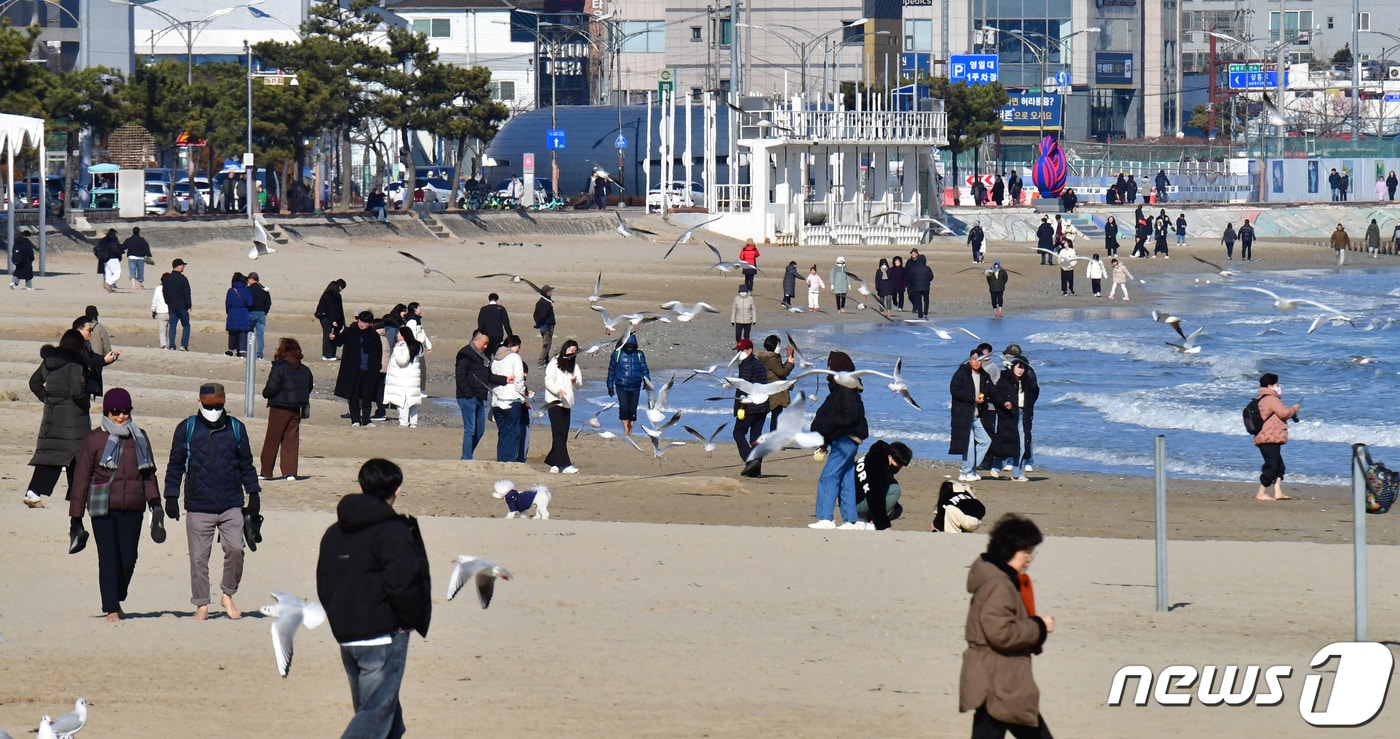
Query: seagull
[[656, 399], [725, 265], [944, 334], [755, 392], [627, 230], [1189, 345], [1335, 320], [513, 278], [861, 288], [426, 269], [706, 371], [684, 238], [850, 379], [290, 612], [898, 386], [46, 728], [710, 441], [593, 421], [482, 573], [1289, 304], [611, 435], [1361, 359], [1170, 320], [260, 245], [655, 433], [787, 433], [658, 451], [1218, 269], [598, 293], [593, 348], [610, 322], [685, 314], [72, 722], [802, 362]]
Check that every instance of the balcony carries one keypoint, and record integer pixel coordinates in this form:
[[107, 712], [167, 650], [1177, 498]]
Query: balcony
[[923, 128]]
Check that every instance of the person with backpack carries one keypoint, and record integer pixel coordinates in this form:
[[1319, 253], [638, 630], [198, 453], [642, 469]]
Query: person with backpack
[[1267, 418]]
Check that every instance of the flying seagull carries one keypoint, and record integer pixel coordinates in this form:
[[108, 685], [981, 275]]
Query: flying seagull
[[684, 314], [290, 612], [627, 230], [850, 379], [787, 433], [1218, 269], [598, 293], [1289, 304], [725, 265], [593, 421], [1189, 345], [1170, 320], [260, 242], [899, 387], [481, 573], [944, 334], [710, 441], [656, 397], [513, 278], [684, 238], [426, 269]]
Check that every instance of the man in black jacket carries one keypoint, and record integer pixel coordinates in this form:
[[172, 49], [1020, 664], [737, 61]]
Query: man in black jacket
[[494, 321], [373, 578], [973, 396], [877, 492], [748, 417], [1045, 240], [544, 321], [176, 290], [137, 250], [918, 276], [474, 383], [257, 313]]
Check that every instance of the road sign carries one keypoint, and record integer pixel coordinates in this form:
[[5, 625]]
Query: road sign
[[1062, 78], [972, 69], [1254, 77], [554, 138], [621, 141], [665, 87], [1391, 97]]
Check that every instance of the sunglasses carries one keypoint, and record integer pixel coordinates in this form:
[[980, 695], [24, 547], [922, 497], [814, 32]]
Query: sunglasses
[[218, 407], [119, 412]]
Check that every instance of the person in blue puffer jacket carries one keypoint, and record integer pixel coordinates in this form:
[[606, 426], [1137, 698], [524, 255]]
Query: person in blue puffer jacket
[[237, 302], [627, 371]]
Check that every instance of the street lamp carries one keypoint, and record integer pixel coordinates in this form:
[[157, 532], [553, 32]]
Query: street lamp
[[1380, 73], [5, 7], [191, 28], [1042, 55], [1275, 116], [803, 48]]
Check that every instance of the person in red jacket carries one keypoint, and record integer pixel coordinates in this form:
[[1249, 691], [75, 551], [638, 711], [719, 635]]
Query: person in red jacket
[[749, 256], [1272, 436]]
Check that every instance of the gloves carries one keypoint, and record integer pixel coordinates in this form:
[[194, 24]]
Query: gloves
[[172, 508], [77, 535], [254, 505], [157, 523], [611, 392]]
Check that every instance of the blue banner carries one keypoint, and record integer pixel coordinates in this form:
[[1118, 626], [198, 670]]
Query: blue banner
[[973, 69], [1032, 111]]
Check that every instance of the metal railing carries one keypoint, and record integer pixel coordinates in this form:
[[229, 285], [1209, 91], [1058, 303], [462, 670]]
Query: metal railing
[[924, 127]]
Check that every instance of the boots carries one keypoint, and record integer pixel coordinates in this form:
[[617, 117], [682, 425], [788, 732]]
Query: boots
[[755, 470]]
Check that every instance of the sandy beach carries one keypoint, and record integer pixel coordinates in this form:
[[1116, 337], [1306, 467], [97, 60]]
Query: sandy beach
[[671, 599]]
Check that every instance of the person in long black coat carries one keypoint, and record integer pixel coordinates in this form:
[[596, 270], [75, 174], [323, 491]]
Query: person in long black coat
[[330, 311], [60, 383], [358, 378], [22, 255], [975, 399], [1011, 444]]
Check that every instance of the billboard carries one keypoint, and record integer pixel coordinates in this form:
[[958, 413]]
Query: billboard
[[1032, 111], [1114, 70]]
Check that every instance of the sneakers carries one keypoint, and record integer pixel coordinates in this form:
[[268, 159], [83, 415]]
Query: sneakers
[[327, 359], [1006, 468], [570, 470], [355, 425], [851, 526], [554, 469], [822, 523], [1022, 478], [370, 425], [33, 500], [994, 473], [1027, 468], [969, 477]]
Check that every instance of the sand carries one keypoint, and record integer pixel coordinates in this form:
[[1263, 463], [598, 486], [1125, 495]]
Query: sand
[[671, 599]]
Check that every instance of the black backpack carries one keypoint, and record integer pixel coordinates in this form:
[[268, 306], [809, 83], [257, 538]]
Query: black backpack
[[1253, 419]]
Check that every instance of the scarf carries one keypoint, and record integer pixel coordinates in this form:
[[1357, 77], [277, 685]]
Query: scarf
[[111, 452]]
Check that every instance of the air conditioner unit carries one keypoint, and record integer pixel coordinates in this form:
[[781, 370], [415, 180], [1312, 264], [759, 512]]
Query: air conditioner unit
[[1392, 73]]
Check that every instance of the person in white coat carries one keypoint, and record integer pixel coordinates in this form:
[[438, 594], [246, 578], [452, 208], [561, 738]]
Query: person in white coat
[[508, 402], [161, 312], [402, 379], [561, 379], [1096, 272]]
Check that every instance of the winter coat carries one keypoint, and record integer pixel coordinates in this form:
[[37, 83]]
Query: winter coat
[[1001, 636], [158, 300], [776, 369], [1110, 235], [753, 370], [366, 345], [372, 574], [966, 408], [331, 307], [626, 370], [1095, 270], [873, 478], [237, 302], [1066, 258], [474, 378], [544, 314], [749, 254], [494, 321], [107, 248], [883, 287], [132, 489], [1006, 442], [136, 246], [1340, 240], [996, 280], [1228, 238], [743, 310], [840, 281], [101, 342], [1044, 236], [403, 380], [60, 383], [217, 469], [177, 291], [23, 257], [508, 364], [918, 274], [975, 236], [1246, 234], [897, 284], [559, 386], [1373, 237], [1276, 415], [288, 387], [262, 299], [1181, 225], [841, 415], [814, 283], [790, 280]]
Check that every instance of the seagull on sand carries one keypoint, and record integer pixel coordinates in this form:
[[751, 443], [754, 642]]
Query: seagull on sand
[[46, 728], [684, 238], [72, 722], [481, 573], [290, 612], [658, 450], [426, 269], [1288, 304], [787, 433], [1170, 320], [709, 442], [511, 277], [624, 437], [685, 313], [598, 293]]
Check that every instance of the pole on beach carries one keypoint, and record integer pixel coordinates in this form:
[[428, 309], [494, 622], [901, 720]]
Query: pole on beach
[[251, 353], [1159, 479], [1359, 457]]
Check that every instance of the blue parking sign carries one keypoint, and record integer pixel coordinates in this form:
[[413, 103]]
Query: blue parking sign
[[554, 138], [973, 69]]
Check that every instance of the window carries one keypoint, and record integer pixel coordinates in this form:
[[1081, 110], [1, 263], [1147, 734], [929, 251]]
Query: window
[[1330, 23], [696, 34], [1294, 22], [433, 27], [642, 36], [1224, 21], [503, 90], [918, 35], [854, 34], [726, 35]]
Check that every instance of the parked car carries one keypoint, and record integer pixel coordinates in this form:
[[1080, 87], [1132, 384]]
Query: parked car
[[681, 196], [544, 189], [182, 194], [435, 190], [157, 198]]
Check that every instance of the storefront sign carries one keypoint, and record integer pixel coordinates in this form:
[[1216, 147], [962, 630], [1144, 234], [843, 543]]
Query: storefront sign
[[1113, 69], [1032, 111]]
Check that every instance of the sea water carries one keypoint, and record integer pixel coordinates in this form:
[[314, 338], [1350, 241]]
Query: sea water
[[1110, 384]]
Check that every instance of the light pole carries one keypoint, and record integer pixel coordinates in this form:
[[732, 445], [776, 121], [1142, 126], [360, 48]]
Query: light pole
[[1380, 73], [803, 48], [190, 28], [1042, 55], [1274, 118]]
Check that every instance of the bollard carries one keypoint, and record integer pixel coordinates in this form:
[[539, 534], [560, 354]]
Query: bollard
[[1159, 478], [251, 353]]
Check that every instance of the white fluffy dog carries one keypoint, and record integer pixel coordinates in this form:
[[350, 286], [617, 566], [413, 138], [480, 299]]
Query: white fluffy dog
[[519, 502]]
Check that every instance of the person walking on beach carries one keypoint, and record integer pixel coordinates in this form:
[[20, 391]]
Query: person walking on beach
[[210, 452], [494, 321], [109, 260], [814, 289], [1121, 275], [776, 369], [789, 283], [1002, 632], [1373, 238], [237, 303], [1246, 235], [627, 372], [508, 401], [1272, 436], [358, 378], [1228, 239], [561, 380], [919, 276], [1181, 229], [748, 416], [1096, 273], [975, 399], [749, 256], [841, 422], [116, 475], [137, 252], [883, 288], [1159, 230], [60, 383], [897, 284], [840, 283], [474, 384], [996, 286], [160, 313], [975, 237], [1110, 237], [257, 312], [1067, 258], [1011, 443], [544, 321], [1341, 242], [288, 394], [1045, 240], [88, 326], [743, 314], [373, 577], [330, 311]]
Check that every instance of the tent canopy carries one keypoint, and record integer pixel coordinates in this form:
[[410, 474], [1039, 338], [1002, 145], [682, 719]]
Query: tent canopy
[[21, 130], [104, 168]]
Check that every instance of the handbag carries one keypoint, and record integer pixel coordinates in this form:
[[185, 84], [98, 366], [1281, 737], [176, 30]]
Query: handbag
[[99, 499], [149, 260]]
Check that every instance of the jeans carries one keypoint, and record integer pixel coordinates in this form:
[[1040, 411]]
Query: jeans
[[256, 321], [627, 403], [837, 481], [180, 317], [379, 214], [375, 674], [137, 268], [1022, 450], [978, 436], [507, 432], [1181, 239], [473, 423]]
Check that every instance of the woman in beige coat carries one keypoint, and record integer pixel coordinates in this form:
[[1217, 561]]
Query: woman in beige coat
[[1002, 633], [743, 314], [1272, 436]]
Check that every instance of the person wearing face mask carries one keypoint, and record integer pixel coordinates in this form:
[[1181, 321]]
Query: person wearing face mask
[[561, 379], [1272, 436], [627, 370], [748, 416], [210, 454], [743, 314]]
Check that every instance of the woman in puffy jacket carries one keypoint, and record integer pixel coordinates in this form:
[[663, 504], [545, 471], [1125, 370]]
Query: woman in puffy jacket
[[237, 301], [1272, 436], [561, 380], [60, 383], [403, 379], [288, 392], [626, 372]]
